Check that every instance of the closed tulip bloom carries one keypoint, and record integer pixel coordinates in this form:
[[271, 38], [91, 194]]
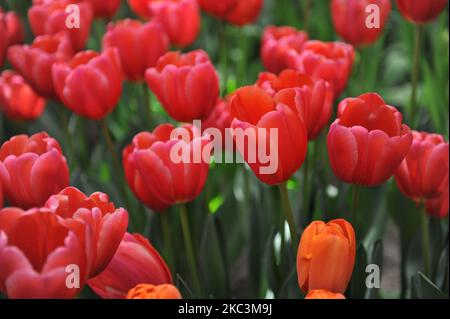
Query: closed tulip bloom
[[323, 294], [330, 61], [35, 61], [351, 18], [424, 170], [18, 101], [237, 12], [313, 99], [90, 84], [146, 291], [367, 142], [256, 111], [136, 261], [326, 256], [187, 85], [155, 177], [421, 11], [15, 28], [106, 223], [49, 17], [280, 47], [36, 253], [140, 45], [32, 169], [104, 9], [140, 7], [3, 40], [438, 207]]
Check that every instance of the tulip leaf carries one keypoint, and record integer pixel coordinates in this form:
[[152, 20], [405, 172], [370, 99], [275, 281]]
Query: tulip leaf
[[422, 287]]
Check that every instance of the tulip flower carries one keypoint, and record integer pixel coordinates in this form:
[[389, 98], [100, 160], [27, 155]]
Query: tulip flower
[[155, 177], [421, 11], [146, 291], [438, 207], [17, 99], [3, 40], [354, 20], [32, 169], [280, 47], [15, 28], [323, 294], [106, 223], [136, 262], [91, 83], [104, 9], [367, 142], [255, 111], [330, 61], [313, 99], [326, 256], [187, 85], [50, 17], [1, 194], [40, 256], [237, 12], [424, 170], [34, 62], [140, 45]]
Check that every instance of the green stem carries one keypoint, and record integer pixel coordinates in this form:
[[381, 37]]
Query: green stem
[[355, 204], [64, 121], [223, 53], [147, 104], [189, 248], [287, 209], [307, 13], [165, 223], [415, 72], [425, 241], [305, 186]]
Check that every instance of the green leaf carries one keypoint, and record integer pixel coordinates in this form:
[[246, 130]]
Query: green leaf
[[424, 288]]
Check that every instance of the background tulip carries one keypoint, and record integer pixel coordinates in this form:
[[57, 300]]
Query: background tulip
[[146, 291], [15, 28], [187, 85], [135, 262], [350, 19], [17, 99], [421, 11], [32, 169], [154, 177], [35, 250], [35, 61], [140, 45], [104, 9], [91, 83], [3, 40], [220, 118], [438, 207], [253, 109], [326, 256], [323, 294], [50, 18], [238, 12], [425, 169], [313, 99], [106, 223], [280, 47], [367, 142]]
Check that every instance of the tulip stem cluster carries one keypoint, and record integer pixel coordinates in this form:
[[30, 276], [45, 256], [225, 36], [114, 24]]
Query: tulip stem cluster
[[288, 214]]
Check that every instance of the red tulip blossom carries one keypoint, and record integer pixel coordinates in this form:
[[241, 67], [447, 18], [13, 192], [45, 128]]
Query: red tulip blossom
[[15, 28], [421, 11], [17, 99], [32, 169], [3, 40], [220, 119], [438, 207], [104, 9], [367, 142], [237, 12], [91, 83]]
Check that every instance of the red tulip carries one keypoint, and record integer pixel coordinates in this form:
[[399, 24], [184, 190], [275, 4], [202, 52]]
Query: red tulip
[[352, 19], [106, 223], [104, 9], [180, 19], [32, 169], [3, 40], [187, 84], [238, 12], [153, 175], [421, 11], [313, 99], [255, 111], [438, 207], [424, 171], [91, 83], [367, 142], [15, 28], [220, 119], [1, 194], [50, 17], [135, 262], [35, 61], [17, 99], [330, 61], [140, 45], [140, 7], [38, 253], [280, 47]]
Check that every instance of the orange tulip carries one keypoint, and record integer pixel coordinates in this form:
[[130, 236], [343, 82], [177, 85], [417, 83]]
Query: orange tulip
[[323, 294], [144, 291], [326, 256]]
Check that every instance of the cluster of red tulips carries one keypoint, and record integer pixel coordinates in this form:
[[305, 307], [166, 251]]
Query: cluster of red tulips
[[48, 225]]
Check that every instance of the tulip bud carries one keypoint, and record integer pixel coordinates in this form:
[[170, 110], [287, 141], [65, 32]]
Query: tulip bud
[[421, 11]]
